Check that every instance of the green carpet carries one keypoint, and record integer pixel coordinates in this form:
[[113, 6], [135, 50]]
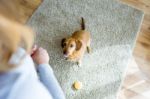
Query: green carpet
[[113, 27]]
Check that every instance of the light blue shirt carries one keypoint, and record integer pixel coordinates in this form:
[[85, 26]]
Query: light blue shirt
[[24, 83]]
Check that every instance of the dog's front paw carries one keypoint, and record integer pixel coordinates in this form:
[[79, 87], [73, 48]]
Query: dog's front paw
[[67, 59], [79, 63]]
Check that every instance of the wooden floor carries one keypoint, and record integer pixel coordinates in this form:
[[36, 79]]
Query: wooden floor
[[135, 86], [142, 48]]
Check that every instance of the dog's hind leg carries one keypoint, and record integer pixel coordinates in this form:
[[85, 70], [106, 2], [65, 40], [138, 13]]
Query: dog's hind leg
[[88, 49], [88, 46], [79, 61]]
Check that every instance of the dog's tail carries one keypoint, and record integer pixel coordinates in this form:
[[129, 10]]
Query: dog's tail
[[82, 23]]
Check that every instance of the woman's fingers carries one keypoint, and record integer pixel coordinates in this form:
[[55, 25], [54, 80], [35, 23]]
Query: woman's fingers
[[34, 49]]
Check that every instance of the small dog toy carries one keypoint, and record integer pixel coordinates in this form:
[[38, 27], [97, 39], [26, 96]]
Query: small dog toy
[[77, 85]]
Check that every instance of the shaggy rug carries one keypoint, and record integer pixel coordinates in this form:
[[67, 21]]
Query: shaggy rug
[[113, 26]]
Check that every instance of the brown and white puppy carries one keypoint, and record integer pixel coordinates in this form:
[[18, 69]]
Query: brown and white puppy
[[75, 46]]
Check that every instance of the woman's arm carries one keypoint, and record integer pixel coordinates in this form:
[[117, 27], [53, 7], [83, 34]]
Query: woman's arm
[[48, 78], [45, 72]]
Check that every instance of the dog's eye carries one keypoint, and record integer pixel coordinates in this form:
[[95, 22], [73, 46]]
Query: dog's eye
[[71, 45]]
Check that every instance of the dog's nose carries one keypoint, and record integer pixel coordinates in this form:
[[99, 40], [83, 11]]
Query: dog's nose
[[65, 52]]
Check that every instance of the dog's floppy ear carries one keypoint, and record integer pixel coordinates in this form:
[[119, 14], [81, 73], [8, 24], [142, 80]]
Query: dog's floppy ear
[[78, 44], [62, 42]]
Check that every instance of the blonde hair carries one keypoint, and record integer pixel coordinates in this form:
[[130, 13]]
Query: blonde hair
[[12, 35], [11, 9]]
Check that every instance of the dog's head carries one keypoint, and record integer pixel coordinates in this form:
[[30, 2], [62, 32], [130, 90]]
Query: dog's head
[[70, 45]]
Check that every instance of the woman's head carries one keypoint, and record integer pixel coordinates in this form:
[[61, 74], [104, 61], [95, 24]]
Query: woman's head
[[12, 34]]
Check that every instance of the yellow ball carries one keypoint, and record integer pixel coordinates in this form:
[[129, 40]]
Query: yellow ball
[[77, 85]]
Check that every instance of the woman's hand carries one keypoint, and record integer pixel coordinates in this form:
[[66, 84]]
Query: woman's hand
[[40, 55]]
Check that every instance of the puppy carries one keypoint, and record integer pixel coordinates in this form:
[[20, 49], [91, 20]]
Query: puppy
[[75, 46]]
